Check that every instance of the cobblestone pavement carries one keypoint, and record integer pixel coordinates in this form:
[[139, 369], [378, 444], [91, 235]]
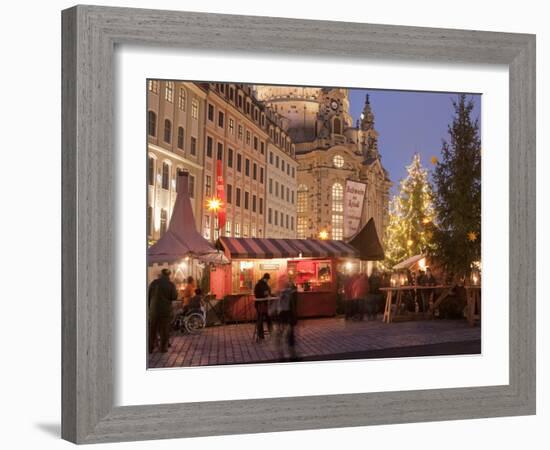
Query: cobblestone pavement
[[317, 339]]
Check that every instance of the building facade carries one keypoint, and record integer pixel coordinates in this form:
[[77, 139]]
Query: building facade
[[282, 169], [175, 139], [330, 151], [236, 135]]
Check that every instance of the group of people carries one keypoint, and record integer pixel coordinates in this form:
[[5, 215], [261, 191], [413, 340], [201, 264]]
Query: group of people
[[285, 309], [362, 295], [162, 301]]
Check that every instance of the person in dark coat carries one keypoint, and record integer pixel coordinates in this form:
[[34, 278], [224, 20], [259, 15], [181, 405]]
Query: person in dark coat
[[262, 290], [426, 279], [288, 318], [160, 296]]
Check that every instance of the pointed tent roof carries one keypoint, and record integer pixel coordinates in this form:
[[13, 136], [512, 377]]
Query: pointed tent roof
[[368, 244], [182, 238]]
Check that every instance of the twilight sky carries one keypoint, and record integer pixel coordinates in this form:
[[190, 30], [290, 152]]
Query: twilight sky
[[408, 122]]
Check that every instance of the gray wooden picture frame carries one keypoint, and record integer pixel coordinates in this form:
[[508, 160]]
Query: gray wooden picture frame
[[90, 34]]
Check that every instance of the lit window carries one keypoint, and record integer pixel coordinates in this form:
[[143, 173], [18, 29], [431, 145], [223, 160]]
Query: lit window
[[163, 221], [165, 175], [180, 137], [153, 86], [301, 206], [237, 229], [167, 131], [181, 99], [195, 110], [231, 126], [337, 211], [338, 161], [169, 91], [228, 228], [152, 124]]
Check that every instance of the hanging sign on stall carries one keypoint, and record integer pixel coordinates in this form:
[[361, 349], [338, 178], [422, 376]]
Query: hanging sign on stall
[[354, 197], [220, 193]]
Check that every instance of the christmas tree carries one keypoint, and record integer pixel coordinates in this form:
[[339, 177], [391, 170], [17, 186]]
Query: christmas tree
[[410, 229], [457, 178]]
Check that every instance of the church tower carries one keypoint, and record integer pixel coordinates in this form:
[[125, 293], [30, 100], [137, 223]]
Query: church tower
[[368, 136]]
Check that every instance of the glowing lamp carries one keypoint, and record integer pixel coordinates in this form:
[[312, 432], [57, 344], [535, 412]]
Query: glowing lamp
[[213, 204], [323, 235]]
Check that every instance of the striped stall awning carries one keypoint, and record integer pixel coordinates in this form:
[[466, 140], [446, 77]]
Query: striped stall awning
[[257, 248]]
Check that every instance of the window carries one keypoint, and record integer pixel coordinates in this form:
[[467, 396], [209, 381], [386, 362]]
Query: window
[[169, 91], [180, 137], [287, 194], [283, 165], [206, 232], [165, 175], [286, 221], [152, 123], [270, 157], [292, 197], [163, 221], [253, 231], [237, 229], [301, 207], [337, 211], [269, 214], [246, 199], [338, 161], [149, 220], [229, 194], [238, 199], [181, 99], [255, 143], [230, 157], [240, 101], [220, 151], [248, 107], [293, 173], [292, 223], [240, 132], [228, 228], [153, 86], [167, 131], [271, 185], [262, 175], [262, 147], [231, 126], [245, 230], [210, 112], [208, 186], [231, 94], [276, 188], [288, 169], [209, 145], [247, 167], [247, 137], [276, 217], [195, 110], [239, 162], [254, 203], [193, 150], [216, 227], [255, 171], [191, 186], [277, 161], [302, 227], [151, 171], [220, 119], [337, 126], [261, 209]]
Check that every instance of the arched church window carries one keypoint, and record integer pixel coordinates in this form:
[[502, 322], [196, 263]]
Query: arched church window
[[338, 161], [337, 211]]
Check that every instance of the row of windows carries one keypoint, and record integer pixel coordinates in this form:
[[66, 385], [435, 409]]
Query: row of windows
[[247, 230], [165, 176], [250, 140], [285, 221], [244, 104], [153, 86], [259, 202], [280, 191], [250, 168], [274, 160], [167, 135]]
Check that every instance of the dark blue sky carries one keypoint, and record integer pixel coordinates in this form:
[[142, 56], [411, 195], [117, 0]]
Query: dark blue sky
[[408, 122]]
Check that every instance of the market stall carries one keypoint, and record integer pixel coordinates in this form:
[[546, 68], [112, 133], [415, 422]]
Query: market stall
[[310, 264]]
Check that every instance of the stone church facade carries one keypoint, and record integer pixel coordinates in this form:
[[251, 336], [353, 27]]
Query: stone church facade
[[329, 151]]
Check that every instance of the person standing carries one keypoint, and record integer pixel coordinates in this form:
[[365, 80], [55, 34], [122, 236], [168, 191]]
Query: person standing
[[262, 290], [162, 292], [188, 291], [360, 290]]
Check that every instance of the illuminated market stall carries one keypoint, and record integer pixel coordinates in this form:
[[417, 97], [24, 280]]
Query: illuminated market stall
[[310, 264]]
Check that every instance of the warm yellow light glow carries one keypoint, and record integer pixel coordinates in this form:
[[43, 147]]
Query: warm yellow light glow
[[409, 243], [213, 204], [349, 266], [422, 264], [434, 160], [323, 234], [426, 220]]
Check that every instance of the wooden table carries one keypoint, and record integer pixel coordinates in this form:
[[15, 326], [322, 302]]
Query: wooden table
[[473, 304], [445, 291]]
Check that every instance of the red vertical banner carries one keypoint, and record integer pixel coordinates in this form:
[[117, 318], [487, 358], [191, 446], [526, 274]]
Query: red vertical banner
[[220, 193]]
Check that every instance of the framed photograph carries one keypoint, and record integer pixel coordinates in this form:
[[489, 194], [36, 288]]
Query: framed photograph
[[265, 229]]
